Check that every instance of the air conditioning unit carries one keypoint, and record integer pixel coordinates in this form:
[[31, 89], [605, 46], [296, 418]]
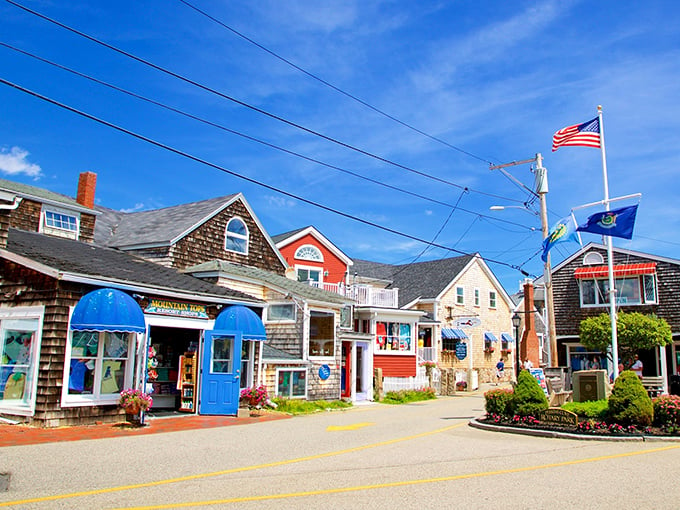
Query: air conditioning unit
[[589, 385]]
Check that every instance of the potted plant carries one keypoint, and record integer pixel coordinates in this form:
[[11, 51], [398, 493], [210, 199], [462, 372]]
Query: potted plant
[[461, 385], [134, 401], [254, 397], [488, 350]]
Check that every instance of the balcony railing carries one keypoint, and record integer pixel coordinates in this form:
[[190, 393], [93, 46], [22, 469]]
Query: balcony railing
[[364, 295]]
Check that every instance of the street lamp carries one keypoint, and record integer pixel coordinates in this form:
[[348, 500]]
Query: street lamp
[[516, 321]]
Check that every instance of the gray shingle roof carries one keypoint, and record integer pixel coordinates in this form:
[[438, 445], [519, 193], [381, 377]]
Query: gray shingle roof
[[280, 237], [39, 194], [300, 289], [98, 262], [425, 280], [158, 226]]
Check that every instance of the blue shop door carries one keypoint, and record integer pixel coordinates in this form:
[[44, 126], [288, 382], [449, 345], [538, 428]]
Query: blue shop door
[[221, 373]]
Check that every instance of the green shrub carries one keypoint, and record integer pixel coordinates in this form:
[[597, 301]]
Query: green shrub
[[667, 411], [592, 410], [499, 401], [405, 396], [298, 406], [529, 399], [629, 403]]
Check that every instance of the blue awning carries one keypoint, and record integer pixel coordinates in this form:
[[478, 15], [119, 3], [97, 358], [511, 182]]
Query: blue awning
[[507, 338], [108, 310], [243, 319], [490, 337], [453, 334]]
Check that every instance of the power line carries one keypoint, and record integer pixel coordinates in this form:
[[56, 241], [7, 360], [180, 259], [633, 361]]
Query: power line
[[249, 106], [330, 85], [251, 138], [235, 174]]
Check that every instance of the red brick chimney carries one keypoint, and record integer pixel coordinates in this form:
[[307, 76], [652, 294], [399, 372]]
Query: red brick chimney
[[529, 348], [87, 183]]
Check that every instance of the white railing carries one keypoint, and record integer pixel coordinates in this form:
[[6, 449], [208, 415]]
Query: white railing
[[363, 294], [427, 354], [418, 382]]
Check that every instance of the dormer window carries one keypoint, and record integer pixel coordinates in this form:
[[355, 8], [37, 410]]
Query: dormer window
[[237, 236], [309, 252], [60, 223], [593, 258]]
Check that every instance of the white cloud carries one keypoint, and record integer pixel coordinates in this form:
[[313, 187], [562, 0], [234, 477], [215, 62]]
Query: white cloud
[[15, 162], [139, 206]]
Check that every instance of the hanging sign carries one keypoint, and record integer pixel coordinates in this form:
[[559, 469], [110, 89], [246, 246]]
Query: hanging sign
[[467, 322], [176, 308], [461, 350]]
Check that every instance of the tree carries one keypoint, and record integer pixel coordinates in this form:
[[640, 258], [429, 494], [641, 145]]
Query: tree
[[635, 331]]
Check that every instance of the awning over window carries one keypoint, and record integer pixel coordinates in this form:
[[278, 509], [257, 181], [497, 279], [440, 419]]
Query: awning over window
[[108, 310], [619, 271], [453, 334], [241, 318], [490, 337], [507, 338]]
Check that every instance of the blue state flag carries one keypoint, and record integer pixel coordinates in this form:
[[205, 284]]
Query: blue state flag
[[563, 230], [615, 223]]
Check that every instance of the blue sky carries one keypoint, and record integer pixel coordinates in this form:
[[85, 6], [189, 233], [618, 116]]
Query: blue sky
[[493, 80]]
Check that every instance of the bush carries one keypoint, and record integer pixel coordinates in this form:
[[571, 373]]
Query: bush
[[404, 396], [499, 402], [629, 403], [667, 411], [593, 410], [298, 406], [529, 399]]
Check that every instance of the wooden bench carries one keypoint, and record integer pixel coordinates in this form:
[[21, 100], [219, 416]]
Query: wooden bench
[[653, 385], [556, 393]]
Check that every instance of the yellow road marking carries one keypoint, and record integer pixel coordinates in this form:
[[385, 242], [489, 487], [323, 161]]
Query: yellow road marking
[[356, 426], [226, 471], [397, 484]]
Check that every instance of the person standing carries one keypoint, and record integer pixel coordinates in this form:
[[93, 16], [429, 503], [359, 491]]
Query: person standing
[[500, 370], [528, 365], [637, 366]]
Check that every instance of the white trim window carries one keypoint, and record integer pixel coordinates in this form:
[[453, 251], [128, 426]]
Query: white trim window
[[492, 299], [281, 312], [477, 299], [19, 350], [460, 295], [634, 290], [291, 382], [59, 223], [321, 335], [309, 252], [394, 337], [99, 366], [309, 274], [236, 237]]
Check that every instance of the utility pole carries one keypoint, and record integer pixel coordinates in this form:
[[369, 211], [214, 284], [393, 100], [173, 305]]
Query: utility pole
[[541, 184]]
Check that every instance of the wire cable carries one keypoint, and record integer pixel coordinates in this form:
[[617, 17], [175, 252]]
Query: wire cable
[[235, 174], [249, 106]]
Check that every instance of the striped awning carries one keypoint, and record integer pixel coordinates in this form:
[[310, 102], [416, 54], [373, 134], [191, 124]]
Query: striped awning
[[453, 334], [619, 270], [490, 337], [506, 337]]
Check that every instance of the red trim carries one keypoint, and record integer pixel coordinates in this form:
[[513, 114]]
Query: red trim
[[619, 271]]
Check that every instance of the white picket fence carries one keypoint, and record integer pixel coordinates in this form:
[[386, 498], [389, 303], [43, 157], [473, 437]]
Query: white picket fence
[[413, 383]]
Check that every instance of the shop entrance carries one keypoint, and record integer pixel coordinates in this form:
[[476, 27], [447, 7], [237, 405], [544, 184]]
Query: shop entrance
[[220, 384], [168, 344]]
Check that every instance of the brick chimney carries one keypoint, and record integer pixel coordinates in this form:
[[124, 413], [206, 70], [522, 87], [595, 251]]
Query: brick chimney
[[529, 348], [87, 183]]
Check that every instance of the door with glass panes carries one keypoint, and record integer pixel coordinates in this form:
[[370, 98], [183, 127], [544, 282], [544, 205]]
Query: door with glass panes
[[220, 379]]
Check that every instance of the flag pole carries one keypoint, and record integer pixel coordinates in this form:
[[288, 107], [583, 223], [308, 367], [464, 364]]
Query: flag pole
[[610, 254]]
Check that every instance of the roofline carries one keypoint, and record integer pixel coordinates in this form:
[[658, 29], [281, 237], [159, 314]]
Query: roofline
[[487, 270], [311, 230], [75, 206], [453, 281], [121, 284]]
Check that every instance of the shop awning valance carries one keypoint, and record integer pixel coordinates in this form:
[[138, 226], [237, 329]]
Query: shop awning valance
[[619, 270], [108, 310], [453, 334], [241, 318], [506, 337], [490, 337]]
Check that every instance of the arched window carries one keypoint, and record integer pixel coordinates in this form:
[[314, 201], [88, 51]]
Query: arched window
[[237, 236], [593, 258], [309, 252]]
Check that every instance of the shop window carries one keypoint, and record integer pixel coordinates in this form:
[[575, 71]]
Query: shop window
[[59, 223], [291, 383], [309, 252], [246, 379], [19, 347], [322, 334], [278, 312], [635, 290], [393, 337], [237, 236], [100, 367]]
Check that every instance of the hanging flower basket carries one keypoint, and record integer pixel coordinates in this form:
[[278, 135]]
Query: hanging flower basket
[[489, 350], [134, 401]]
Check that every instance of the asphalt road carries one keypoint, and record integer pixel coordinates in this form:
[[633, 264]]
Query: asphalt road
[[422, 455]]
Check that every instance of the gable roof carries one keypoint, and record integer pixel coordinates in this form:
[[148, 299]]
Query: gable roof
[[97, 265], [43, 195], [268, 279], [282, 240]]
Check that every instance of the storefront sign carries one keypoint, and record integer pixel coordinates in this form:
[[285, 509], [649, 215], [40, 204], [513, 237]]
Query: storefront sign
[[324, 372], [461, 350], [467, 322], [557, 416], [177, 309]]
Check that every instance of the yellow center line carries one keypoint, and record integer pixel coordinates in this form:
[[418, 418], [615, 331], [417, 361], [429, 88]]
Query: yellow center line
[[399, 484], [354, 426], [225, 471]]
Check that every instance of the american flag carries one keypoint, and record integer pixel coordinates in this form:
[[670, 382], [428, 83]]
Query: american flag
[[585, 135]]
